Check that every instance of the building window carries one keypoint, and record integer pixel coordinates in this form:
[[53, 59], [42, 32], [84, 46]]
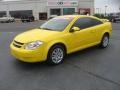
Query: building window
[[55, 12], [84, 11], [2, 13], [43, 16], [68, 11], [19, 14]]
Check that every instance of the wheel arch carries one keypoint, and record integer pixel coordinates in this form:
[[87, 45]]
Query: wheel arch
[[106, 33], [58, 43], [101, 45]]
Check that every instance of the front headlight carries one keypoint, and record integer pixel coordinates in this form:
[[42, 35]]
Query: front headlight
[[33, 45]]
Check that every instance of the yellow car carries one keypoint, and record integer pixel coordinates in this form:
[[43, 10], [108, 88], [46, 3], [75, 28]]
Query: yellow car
[[60, 36]]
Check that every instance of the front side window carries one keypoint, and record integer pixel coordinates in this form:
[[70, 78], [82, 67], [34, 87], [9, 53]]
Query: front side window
[[83, 23], [56, 24]]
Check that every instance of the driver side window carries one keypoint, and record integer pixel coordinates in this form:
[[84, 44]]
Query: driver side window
[[83, 23]]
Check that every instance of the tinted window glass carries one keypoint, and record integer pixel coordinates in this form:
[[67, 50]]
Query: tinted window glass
[[83, 23], [95, 22]]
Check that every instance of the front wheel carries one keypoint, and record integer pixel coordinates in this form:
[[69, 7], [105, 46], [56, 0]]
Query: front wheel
[[105, 41], [56, 55]]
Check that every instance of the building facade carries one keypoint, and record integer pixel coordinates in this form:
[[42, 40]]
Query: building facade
[[43, 9]]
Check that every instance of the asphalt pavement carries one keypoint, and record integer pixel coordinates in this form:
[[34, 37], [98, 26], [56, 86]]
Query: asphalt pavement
[[90, 69]]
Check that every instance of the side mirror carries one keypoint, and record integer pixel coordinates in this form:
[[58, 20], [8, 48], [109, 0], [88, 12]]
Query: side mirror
[[74, 29]]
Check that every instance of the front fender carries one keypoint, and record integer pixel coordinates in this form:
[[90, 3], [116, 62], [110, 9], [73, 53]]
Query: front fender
[[52, 43]]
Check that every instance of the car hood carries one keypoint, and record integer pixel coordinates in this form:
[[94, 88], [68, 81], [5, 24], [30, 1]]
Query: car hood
[[36, 34]]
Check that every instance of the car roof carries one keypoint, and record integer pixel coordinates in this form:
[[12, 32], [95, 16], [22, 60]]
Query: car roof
[[78, 16]]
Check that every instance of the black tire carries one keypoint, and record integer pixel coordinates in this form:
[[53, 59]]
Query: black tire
[[59, 57], [105, 41]]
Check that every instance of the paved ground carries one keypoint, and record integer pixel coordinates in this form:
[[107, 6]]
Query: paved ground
[[91, 69], [19, 27]]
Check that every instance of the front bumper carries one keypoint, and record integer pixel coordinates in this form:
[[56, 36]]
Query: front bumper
[[30, 56]]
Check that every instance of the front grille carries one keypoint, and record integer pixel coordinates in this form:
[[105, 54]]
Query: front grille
[[17, 44]]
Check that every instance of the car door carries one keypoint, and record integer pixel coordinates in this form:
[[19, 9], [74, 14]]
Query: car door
[[98, 27], [82, 38]]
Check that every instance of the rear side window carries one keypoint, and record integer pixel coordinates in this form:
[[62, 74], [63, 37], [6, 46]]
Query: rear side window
[[83, 23], [95, 22]]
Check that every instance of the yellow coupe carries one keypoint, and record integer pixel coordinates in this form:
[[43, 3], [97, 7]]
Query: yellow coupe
[[60, 36]]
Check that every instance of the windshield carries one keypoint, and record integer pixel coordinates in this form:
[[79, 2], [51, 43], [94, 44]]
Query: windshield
[[56, 24]]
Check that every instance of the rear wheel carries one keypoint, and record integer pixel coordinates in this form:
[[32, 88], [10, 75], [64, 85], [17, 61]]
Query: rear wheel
[[56, 55], [105, 41]]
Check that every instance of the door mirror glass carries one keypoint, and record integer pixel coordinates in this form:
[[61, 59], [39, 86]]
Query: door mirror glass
[[74, 29]]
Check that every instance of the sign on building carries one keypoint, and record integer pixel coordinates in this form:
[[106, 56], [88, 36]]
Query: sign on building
[[62, 2]]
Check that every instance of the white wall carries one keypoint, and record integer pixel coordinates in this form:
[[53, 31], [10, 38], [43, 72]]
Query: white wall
[[38, 6]]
